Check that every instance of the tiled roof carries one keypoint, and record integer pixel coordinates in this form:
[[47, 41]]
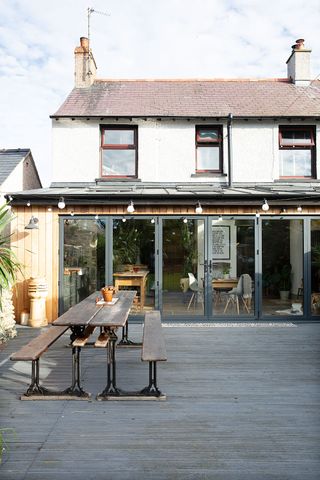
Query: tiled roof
[[9, 159], [193, 98]]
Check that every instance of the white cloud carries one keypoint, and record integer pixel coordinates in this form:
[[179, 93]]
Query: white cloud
[[141, 39]]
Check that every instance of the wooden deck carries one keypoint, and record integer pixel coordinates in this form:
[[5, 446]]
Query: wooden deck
[[243, 403]]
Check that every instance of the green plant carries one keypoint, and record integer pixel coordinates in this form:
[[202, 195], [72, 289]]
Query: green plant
[[126, 243], [4, 447], [282, 277], [226, 269], [9, 264], [190, 250]]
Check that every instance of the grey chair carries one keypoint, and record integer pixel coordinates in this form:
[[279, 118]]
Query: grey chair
[[242, 291], [197, 291]]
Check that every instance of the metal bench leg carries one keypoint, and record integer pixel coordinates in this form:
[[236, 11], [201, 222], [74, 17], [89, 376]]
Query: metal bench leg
[[35, 388], [152, 388]]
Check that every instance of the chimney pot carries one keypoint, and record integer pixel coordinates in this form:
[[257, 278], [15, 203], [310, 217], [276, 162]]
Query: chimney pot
[[84, 42]]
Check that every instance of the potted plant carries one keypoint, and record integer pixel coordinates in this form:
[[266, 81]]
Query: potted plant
[[285, 281], [226, 270]]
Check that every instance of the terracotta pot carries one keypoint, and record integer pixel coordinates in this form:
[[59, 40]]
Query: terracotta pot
[[107, 295]]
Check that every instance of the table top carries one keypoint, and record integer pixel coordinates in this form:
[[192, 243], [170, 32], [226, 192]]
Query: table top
[[140, 273], [224, 283], [87, 312]]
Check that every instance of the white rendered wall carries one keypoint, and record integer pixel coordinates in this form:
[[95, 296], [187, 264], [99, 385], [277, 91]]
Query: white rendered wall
[[166, 151], [75, 150], [255, 152]]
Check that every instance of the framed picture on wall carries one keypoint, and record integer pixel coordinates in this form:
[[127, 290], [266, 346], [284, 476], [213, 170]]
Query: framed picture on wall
[[221, 242]]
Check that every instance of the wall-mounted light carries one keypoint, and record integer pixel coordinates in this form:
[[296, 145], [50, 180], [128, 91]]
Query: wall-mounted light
[[130, 207], [265, 206], [299, 209], [198, 209], [33, 223], [61, 203]]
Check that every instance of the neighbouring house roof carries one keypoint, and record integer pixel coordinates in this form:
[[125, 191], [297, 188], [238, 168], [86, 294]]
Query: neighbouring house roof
[[193, 98], [148, 193], [10, 159]]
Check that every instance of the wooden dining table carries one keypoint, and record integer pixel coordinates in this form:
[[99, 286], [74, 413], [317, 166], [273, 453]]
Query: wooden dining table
[[109, 318], [132, 279], [223, 285]]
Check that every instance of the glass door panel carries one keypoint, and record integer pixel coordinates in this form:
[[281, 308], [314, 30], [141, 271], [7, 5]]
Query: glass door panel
[[83, 259], [134, 260], [183, 267], [282, 267], [232, 266], [315, 269]]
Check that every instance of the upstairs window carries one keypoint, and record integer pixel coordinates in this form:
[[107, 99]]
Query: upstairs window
[[119, 151], [297, 152], [208, 149]]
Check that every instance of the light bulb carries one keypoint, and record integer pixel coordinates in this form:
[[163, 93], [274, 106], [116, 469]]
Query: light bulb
[[130, 208], [299, 209], [198, 209], [265, 207], [152, 220], [61, 203]]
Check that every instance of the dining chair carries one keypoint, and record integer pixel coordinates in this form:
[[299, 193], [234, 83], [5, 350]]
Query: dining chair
[[197, 291], [243, 291]]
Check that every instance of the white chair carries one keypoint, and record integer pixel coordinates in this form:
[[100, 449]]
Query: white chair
[[197, 291], [243, 291]]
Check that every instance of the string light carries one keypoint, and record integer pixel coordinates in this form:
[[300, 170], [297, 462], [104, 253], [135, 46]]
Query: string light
[[198, 209], [130, 207], [61, 203]]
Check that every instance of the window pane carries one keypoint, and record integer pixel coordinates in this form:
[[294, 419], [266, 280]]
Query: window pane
[[208, 158], [295, 163], [119, 162], [118, 137], [83, 259], [296, 137], [207, 135]]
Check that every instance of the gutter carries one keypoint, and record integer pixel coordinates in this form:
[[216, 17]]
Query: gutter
[[230, 165]]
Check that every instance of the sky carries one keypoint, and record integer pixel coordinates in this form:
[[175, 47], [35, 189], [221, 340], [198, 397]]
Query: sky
[[137, 39]]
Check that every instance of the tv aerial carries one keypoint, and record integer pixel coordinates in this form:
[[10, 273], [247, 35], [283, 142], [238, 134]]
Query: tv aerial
[[90, 11]]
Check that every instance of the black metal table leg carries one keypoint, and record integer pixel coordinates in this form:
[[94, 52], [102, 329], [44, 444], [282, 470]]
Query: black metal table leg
[[111, 388], [125, 342]]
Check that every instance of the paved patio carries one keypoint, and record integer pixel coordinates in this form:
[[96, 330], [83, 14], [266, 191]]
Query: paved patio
[[243, 404]]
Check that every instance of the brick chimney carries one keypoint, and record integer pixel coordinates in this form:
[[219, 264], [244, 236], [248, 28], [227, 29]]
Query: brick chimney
[[298, 64], [85, 65]]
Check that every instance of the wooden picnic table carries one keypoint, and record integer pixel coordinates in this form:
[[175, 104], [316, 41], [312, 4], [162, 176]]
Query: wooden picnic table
[[109, 318]]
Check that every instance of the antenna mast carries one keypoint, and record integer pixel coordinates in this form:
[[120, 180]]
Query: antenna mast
[[90, 11]]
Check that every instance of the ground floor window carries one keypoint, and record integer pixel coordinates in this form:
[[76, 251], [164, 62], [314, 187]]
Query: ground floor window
[[196, 267]]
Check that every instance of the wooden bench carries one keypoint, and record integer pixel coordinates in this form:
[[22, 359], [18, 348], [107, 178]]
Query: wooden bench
[[32, 352], [153, 351]]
